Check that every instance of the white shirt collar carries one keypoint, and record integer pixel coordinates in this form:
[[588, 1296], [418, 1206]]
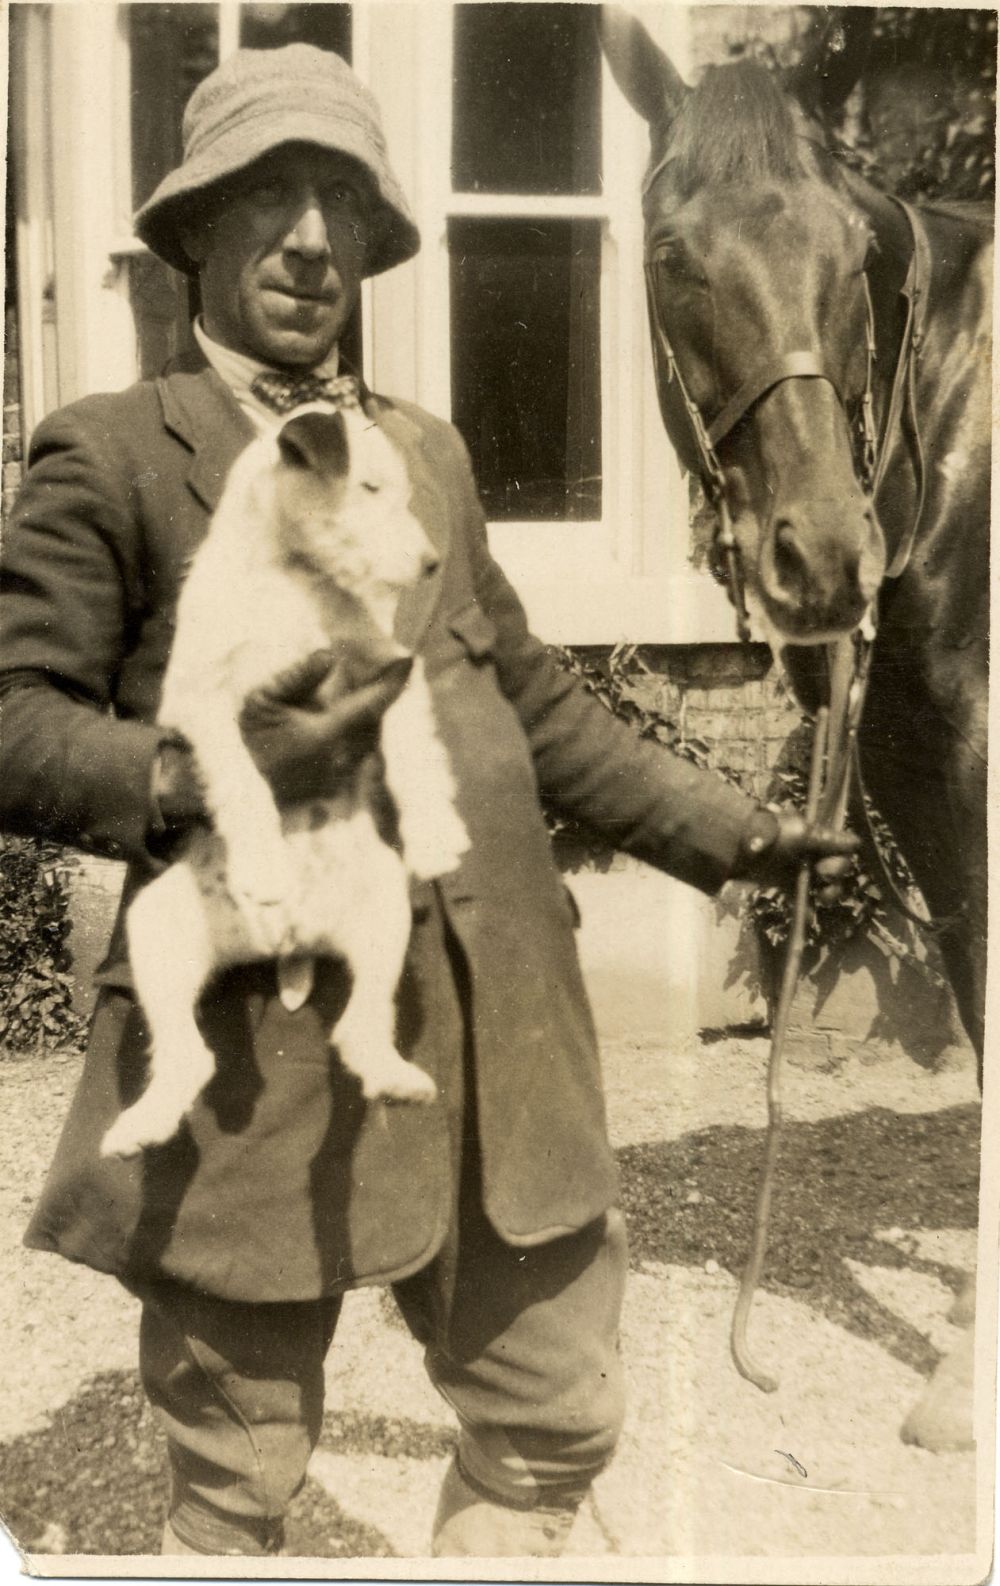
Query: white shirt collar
[[239, 372]]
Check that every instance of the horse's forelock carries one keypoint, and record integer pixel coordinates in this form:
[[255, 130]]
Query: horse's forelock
[[736, 127]]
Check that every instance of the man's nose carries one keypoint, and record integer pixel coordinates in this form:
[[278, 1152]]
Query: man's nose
[[308, 234]]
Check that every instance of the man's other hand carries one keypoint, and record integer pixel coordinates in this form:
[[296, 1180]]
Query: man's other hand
[[775, 846], [312, 724]]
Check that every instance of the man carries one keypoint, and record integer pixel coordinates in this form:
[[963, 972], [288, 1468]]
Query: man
[[492, 1212]]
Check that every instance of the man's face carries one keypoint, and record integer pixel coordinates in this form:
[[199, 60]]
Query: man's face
[[281, 253]]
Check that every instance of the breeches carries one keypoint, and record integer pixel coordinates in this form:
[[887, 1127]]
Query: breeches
[[521, 1342]]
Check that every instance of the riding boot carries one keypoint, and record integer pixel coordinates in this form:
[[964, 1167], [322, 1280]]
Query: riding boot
[[264, 1540], [468, 1524]]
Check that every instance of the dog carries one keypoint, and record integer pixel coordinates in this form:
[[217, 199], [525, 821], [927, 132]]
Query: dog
[[310, 548]]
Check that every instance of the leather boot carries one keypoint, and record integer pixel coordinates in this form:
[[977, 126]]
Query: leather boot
[[470, 1525], [172, 1545], [270, 1544]]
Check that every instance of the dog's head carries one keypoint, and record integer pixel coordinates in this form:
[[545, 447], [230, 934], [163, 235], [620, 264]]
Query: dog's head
[[341, 499]]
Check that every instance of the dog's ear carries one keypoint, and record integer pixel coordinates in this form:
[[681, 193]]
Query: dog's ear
[[317, 443]]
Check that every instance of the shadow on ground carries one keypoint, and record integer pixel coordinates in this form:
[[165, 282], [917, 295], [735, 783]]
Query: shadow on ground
[[95, 1480], [691, 1200]]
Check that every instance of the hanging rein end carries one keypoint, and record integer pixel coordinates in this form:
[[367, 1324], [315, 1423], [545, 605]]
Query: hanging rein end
[[745, 1365]]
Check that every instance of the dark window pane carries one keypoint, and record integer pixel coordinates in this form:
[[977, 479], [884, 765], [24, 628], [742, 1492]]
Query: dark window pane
[[525, 363], [172, 48], [267, 27], [527, 98]]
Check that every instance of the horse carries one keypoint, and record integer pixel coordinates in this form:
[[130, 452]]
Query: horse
[[822, 358]]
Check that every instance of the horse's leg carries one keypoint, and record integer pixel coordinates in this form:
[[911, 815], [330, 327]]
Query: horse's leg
[[929, 781], [930, 785]]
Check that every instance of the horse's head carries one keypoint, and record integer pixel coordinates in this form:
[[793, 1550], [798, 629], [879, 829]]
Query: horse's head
[[761, 322]]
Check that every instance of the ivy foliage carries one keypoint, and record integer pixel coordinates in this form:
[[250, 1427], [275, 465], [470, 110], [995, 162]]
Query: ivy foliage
[[631, 690], [36, 982], [859, 908]]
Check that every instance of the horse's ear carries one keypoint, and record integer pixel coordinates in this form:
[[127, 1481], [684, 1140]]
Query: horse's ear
[[834, 60], [648, 79]]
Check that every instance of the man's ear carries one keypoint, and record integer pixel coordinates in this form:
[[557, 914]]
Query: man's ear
[[194, 237]]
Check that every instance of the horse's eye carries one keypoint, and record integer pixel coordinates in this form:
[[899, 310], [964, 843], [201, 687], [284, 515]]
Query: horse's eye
[[366, 484]]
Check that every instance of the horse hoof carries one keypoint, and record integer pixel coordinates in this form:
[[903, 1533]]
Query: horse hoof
[[963, 1312], [941, 1420]]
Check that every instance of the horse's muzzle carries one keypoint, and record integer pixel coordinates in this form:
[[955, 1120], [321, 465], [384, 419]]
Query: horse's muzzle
[[821, 564]]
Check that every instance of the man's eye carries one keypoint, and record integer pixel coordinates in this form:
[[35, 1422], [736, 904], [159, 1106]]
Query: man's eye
[[342, 195], [366, 484], [265, 193]]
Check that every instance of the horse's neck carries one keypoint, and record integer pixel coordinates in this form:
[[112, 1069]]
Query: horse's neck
[[887, 271]]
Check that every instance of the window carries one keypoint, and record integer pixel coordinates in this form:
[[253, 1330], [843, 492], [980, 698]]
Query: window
[[525, 289], [523, 317]]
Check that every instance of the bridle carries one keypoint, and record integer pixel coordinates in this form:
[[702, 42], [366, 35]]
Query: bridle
[[874, 449]]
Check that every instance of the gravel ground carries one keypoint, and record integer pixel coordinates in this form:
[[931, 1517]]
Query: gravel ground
[[873, 1228]]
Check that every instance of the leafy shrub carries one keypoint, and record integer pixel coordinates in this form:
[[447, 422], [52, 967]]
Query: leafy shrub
[[35, 980], [627, 687]]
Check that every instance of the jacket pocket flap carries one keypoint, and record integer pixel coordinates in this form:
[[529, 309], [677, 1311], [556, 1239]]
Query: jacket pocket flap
[[473, 628]]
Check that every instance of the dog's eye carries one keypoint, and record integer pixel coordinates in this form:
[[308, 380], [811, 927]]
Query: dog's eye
[[366, 484]]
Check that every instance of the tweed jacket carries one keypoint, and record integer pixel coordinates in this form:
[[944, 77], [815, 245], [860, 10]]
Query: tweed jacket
[[280, 1185]]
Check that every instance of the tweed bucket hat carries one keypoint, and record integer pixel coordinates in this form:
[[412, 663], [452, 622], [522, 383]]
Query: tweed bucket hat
[[256, 100]]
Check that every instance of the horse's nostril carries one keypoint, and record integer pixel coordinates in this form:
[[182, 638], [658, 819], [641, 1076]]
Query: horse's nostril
[[429, 562], [789, 558]]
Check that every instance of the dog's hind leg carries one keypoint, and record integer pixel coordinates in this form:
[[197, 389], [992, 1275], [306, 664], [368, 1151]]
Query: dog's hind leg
[[172, 957], [375, 947]]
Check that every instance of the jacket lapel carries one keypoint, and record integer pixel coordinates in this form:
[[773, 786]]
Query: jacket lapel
[[201, 411], [428, 504]]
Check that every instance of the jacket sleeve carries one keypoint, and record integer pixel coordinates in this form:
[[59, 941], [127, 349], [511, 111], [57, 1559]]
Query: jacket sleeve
[[70, 583], [639, 795]]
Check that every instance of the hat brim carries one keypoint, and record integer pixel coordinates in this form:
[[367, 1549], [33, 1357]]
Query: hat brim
[[161, 219]]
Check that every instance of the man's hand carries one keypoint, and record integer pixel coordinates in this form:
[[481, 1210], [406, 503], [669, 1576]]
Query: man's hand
[[307, 729], [310, 726], [776, 845]]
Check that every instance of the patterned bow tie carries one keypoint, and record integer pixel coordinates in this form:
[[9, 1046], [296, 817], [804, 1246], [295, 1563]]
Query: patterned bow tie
[[283, 392]]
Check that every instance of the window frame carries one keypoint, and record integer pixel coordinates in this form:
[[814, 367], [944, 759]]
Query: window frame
[[628, 576]]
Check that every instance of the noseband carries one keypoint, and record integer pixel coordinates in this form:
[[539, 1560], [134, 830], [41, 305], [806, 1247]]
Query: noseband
[[873, 453]]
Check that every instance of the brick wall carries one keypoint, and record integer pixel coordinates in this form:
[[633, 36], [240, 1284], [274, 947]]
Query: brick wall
[[732, 697]]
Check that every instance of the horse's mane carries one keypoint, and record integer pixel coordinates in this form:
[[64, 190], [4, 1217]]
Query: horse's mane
[[736, 126]]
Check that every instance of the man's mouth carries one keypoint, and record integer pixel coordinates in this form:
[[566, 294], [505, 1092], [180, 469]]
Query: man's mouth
[[299, 295]]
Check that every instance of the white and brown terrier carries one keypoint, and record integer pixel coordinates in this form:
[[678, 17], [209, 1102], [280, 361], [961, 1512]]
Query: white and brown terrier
[[311, 546]]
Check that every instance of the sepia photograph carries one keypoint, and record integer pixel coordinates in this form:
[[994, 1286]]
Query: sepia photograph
[[494, 797]]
